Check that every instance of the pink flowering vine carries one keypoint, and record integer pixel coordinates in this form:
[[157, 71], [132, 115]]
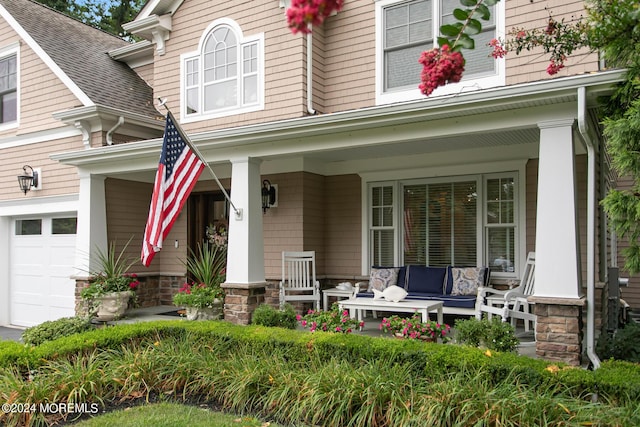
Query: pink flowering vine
[[498, 49], [303, 14], [440, 66]]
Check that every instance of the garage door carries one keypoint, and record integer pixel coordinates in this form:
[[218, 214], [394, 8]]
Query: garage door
[[42, 255]]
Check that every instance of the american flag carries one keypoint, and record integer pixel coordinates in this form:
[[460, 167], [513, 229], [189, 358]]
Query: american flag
[[178, 172]]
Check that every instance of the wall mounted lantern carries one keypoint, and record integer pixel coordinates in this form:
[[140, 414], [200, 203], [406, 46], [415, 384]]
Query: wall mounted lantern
[[268, 195], [28, 181]]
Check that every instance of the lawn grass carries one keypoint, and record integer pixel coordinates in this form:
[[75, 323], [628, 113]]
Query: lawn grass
[[171, 415]]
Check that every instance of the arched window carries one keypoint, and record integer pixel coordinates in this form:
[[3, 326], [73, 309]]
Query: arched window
[[225, 76]]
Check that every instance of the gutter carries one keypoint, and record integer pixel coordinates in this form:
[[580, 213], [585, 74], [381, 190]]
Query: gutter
[[591, 223], [111, 131], [310, 109]]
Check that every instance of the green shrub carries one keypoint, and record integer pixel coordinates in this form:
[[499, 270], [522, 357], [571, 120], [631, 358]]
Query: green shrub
[[266, 315], [493, 334], [54, 329], [624, 345]]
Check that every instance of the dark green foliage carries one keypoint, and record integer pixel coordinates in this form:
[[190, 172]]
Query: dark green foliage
[[624, 345], [266, 315], [493, 334], [54, 329]]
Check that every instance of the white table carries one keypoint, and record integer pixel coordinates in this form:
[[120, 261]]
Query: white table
[[424, 307], [334, 292]]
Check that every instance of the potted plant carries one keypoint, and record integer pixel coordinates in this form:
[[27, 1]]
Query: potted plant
[[414, 328], [111, 287], [203, 298]]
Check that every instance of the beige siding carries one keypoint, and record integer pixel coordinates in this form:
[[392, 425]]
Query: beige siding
[[350, 57], [283, 226], [531, 65], [146, 73], [127, 210], [284, 58], [41, 92], [314, 215], [531, 203], [57, 179], [631, 293], [343, 226]]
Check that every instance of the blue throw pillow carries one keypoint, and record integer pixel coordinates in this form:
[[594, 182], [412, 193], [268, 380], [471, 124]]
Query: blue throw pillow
[[423, 279]]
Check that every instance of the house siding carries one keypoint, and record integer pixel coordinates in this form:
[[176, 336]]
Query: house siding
[[57, 179], [284, 58], [38, 85], [531, 65]]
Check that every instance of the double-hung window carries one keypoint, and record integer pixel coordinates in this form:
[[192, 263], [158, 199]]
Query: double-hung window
[[225, 76], [8, 89], [463, 221], [406, 28]]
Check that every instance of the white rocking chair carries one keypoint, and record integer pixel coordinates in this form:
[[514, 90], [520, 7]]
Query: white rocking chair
[[512, 303], [299, 278]]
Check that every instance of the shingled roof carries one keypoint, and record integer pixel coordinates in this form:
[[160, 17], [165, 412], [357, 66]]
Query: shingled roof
[[81, 52]]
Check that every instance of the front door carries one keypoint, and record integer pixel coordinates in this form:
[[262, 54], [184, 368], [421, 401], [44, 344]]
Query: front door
[[206, 210]]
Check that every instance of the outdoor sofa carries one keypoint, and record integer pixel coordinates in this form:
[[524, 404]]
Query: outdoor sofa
[[456, 287]]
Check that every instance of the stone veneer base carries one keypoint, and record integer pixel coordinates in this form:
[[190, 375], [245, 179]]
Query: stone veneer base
[[241, 300]]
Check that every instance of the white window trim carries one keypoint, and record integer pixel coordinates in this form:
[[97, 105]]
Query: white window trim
[[242, 41], [447, 174], [412, 94], [13, 49]]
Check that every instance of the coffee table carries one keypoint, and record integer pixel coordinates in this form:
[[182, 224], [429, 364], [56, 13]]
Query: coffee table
[[334, 292], [424, 307]]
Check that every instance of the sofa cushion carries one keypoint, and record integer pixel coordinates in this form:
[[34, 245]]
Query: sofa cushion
[[423, 279], [466, 280], [458, 301], [380, 278], [449, 280]]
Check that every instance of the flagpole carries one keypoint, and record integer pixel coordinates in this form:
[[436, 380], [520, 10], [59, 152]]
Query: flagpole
[[238, 212]]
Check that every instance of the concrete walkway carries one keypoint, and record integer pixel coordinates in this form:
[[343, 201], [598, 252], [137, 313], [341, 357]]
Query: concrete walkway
[[12, 334]]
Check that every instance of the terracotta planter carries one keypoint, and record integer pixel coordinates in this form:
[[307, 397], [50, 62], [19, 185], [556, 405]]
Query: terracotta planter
[[112, 306], [206, 313]]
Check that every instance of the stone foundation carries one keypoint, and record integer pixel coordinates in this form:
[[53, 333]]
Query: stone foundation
[[241, 300], [559, 329]]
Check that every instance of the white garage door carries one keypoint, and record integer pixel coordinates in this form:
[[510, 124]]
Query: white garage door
[[42, 254]]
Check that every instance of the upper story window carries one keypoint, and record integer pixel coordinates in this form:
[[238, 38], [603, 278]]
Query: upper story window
[[8, 88], [404, 29], [225, 76]]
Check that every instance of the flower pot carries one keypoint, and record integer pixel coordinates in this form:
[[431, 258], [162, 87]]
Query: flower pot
[[205, 313], [112, 306]]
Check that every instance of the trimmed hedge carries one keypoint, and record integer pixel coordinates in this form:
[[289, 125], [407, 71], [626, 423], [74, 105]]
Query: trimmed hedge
[[616, 380]]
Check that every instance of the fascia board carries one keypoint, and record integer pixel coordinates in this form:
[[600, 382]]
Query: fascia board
[[102, 112], [64, 78], [358, 119]]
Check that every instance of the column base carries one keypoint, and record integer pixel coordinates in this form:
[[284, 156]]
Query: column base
[[241, 300], [559, 329]]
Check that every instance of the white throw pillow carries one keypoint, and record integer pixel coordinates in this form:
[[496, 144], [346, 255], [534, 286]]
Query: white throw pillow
[[394, 293]]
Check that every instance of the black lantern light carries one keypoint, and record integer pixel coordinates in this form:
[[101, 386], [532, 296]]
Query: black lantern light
[[268, 195], [28, 181]]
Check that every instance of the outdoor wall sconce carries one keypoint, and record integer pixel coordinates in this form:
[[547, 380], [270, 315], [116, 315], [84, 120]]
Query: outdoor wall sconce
[[28, 181], [268, 195]]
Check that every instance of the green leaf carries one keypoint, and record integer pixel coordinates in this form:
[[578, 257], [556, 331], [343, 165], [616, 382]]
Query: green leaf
[[484, 12], [469, 3], [461, 15], [490, 2], [451, 30], [443, 40], [465, 42], [473, 27]]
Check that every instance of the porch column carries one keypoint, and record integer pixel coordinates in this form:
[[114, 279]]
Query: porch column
[[245, 283], [557, 245], [92, 227], [557, 282]]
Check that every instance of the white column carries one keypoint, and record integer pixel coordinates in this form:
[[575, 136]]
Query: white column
[[557, 244], [245, 258], [92, 221]]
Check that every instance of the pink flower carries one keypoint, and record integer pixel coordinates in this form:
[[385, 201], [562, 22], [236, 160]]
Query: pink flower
[[338, 328], [303, 323], [134, 284], [440, 66], [498, 49], [303, 14], [361, 324], [298, 317], [555, 66], [345, 313], [520, 35]]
